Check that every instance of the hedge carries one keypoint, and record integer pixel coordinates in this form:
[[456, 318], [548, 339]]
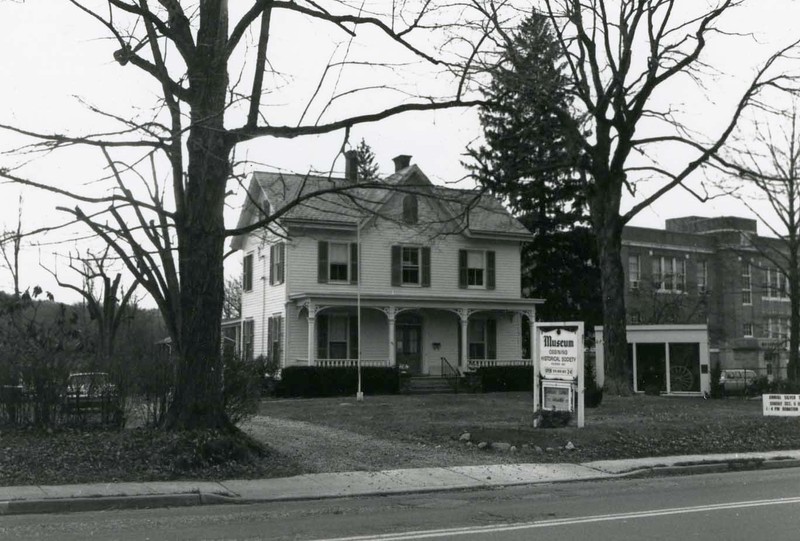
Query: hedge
[[315, 381], [505, 378]]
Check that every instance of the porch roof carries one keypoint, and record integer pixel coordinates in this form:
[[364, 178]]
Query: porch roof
[[408, 301]]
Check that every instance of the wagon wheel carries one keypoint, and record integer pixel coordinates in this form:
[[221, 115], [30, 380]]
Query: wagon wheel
[[680, 378]]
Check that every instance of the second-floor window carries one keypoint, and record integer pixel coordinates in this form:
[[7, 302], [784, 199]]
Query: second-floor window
[[276, 263], [247, 272], [633, 272], [337, 262], [476, 269], [702, 276], [776, 284], [411, 266], [669, 274]]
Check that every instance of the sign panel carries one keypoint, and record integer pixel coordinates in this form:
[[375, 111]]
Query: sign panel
[[557, 396], [781, 405], [558, 354]]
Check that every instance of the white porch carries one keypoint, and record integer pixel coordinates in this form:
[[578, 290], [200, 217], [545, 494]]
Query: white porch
[[445, 334]]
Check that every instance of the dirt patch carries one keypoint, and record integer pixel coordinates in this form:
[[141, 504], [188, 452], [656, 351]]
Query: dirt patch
[[318, 448]]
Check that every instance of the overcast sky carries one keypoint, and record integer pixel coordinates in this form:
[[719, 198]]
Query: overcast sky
[[52, 56]]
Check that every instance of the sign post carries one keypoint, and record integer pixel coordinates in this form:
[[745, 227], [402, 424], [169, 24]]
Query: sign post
[[559, 358]]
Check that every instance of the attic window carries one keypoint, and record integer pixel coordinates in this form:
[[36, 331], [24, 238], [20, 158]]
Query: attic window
[[265, 208], [410, 211]]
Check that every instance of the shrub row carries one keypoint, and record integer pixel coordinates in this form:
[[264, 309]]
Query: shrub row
[[495, 379], [312, 381]]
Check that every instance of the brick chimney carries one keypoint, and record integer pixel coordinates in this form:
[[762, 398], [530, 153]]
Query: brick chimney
[[401, 162], [351, 165]]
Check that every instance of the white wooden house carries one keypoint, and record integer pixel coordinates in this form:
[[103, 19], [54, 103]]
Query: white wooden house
[[439, 274]]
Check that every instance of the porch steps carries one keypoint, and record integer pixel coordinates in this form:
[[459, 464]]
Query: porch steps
[[429, 385]]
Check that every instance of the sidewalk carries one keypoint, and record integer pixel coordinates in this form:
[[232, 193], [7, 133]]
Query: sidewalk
[[72, 498]]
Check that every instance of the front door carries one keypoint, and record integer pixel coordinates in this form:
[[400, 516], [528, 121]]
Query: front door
[[408, 341]]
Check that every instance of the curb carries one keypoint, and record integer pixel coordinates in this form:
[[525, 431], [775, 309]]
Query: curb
[[105, 503], [721, 466]]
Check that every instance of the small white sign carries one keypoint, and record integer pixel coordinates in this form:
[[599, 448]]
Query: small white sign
[[557, 396], [781, 405], [558, 354]]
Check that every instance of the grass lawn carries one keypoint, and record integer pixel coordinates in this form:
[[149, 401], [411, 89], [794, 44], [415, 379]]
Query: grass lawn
[[620, 428]]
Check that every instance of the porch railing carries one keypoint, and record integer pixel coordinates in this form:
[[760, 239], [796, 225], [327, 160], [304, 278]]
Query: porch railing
[[450, 374], [348, 363], [474, 364]]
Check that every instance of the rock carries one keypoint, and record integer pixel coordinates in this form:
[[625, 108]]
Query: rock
[[513, 449], [469, 444], [549, 450], [525, 446], [483, 445], [501, 446], [538, 449], [465, 436], [569, 446]]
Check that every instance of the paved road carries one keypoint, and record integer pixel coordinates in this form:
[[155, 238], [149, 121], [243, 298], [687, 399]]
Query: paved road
[[746, 505]]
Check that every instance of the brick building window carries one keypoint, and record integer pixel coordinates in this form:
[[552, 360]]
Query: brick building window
[[747, 284], [702, 276], [669, 274], [747, 330], [634, 272], [776, 284]]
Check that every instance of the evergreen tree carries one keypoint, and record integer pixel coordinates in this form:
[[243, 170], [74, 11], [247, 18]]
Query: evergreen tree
[[529, 161], [367, 167]]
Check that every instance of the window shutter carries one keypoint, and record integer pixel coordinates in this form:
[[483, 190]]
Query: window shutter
[[395, 265], [270, 334], [462, 269], [322, 337], [282, 262], [272, 265], [279, 339], [490, 269], [426, 266], [491, 338], [353, 328], [322, 262], [353, 263]]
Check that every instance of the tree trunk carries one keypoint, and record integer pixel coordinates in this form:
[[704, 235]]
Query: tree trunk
[[198, 400], [615, 343]]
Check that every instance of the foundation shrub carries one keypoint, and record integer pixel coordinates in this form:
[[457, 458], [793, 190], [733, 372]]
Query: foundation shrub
[[315, 381], [495, 379]]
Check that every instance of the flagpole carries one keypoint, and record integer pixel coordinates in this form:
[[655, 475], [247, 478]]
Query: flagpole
[[359, 393]]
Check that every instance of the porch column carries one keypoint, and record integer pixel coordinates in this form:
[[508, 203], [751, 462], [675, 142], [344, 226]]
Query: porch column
[[533, 353], [391, 312], [463, 362], [312, 333]]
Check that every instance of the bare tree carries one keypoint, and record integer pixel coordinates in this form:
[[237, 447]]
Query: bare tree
[[767, 158], [172, 239], [618, 54], [10, 245], [107, 304]]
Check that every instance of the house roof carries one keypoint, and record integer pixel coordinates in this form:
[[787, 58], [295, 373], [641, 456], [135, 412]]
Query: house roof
[[327, 200]]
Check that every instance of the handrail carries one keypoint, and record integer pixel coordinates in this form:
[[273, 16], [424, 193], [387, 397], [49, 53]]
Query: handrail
[[449, 373]]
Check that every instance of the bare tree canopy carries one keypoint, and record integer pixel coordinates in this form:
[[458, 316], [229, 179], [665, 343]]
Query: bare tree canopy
[[621, 57], [211, 64], [763, 161]]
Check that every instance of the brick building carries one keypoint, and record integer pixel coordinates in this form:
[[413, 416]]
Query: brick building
[[712, 271]]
